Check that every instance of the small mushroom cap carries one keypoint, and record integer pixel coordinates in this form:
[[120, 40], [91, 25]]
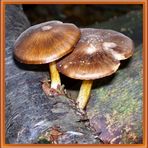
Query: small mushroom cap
[[46, 42], [96, 55]]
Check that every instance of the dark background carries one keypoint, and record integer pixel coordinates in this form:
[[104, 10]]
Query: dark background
[[80, 15]]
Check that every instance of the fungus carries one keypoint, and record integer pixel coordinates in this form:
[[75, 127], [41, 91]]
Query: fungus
[[46, 43], [95, 56]]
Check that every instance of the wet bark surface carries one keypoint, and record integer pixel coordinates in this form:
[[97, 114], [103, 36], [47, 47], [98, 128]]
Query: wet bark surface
[[114, 112]]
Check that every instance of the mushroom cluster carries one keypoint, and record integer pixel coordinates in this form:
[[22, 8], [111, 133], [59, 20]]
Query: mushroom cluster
[[89, 53]]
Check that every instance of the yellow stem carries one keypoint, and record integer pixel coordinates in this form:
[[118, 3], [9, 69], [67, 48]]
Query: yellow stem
[[54, 75], [84, 93]]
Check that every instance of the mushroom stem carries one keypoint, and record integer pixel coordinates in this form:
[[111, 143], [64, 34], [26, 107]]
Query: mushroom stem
[[84, 93], [55, 76]]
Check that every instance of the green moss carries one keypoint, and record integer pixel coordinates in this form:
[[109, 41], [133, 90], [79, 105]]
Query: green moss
[[120, 100], [43, 141]]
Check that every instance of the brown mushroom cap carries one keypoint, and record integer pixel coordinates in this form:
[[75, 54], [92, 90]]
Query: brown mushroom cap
[[96, 55], [46, 42]]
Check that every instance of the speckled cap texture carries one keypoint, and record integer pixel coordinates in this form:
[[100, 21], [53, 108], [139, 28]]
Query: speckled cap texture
[[96, 55]]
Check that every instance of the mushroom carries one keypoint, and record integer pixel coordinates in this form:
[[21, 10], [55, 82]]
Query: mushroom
[[46, 43], [96, 55]]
